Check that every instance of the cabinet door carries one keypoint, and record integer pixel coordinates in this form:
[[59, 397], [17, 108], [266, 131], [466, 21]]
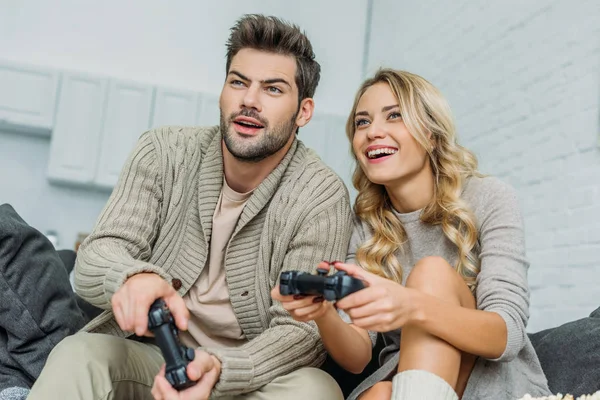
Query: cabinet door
[[76, 137], [127, 117], [208, 110], [27, 98], [174, 107]]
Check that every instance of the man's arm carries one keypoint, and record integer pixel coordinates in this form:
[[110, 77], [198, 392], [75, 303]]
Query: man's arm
[[287, 344], [126, 230]]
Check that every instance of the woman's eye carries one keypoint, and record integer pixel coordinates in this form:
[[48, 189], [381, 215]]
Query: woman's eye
[[394, 115], [360, 122]]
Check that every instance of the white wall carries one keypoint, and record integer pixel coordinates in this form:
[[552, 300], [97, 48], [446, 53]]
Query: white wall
[[176, 44], [523, 78]]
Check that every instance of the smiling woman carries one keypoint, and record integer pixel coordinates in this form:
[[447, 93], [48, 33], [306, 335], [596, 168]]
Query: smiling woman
[[436, 243]]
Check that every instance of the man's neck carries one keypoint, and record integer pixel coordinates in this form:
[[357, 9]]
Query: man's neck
[[243, 176]]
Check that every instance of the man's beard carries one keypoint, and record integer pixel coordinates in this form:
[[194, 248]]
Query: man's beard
[[269, 142]]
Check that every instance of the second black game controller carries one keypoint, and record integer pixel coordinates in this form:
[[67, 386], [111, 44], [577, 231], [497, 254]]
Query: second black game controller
[[332, 287], [176, 355]]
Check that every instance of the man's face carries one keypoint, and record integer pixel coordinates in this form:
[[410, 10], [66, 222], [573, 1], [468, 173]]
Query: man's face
[[259, 104]]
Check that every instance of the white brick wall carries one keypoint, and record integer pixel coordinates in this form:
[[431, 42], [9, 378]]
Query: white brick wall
[[523, 79]]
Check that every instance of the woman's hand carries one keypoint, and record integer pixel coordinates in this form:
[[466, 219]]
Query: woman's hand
[[305, 308], [383, 305]]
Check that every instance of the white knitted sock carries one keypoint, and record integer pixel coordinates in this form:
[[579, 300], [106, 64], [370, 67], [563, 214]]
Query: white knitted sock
[[417, 384], [14, 393]]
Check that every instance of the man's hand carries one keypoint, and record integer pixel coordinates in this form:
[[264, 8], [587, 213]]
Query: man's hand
[[132, 302], [205, 369]]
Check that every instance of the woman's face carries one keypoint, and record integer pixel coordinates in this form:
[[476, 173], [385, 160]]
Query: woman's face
[[387, 153]]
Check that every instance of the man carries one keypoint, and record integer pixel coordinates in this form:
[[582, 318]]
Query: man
[[207, 218]]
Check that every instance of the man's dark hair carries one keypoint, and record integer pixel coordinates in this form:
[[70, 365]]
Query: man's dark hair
[[271, 34]]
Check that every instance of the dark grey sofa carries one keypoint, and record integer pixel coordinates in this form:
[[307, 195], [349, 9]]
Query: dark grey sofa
[[569, 354]]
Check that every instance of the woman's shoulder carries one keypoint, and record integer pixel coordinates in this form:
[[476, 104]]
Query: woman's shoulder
[[488, 196], [486, 189]]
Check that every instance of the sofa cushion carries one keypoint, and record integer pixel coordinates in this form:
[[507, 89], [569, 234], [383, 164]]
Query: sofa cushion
[[37, 305], [570, 355]]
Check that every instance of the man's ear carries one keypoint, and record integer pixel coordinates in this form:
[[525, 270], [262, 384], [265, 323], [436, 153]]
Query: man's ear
[[307, 107]]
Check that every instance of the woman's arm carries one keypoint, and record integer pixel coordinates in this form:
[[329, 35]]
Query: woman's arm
[[349, 345]]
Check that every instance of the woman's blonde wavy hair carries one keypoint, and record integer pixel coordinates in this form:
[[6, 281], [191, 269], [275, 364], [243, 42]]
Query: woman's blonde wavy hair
[[428, 118]]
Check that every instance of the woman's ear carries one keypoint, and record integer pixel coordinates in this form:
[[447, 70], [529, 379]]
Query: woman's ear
[[432, 140]]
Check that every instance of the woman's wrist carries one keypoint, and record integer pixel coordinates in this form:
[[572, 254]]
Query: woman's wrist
[[330, 314], [419, 303]]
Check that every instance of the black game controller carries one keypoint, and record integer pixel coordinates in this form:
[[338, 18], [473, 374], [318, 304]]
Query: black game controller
[[177, 356], [333, 287]]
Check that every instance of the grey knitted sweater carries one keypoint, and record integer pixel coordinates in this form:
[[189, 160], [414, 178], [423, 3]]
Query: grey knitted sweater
[[501, 288], [159, 219]]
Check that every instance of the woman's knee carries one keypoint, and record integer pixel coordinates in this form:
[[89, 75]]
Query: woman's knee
[[430, 272], [435, 276]]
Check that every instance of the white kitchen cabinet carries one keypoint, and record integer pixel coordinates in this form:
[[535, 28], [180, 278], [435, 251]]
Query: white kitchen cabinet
[[128, 114], [174, 107], [27, 97], [78, 128]]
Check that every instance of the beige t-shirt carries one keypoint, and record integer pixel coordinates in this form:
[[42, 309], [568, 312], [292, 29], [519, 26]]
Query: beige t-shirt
[[212, 320]]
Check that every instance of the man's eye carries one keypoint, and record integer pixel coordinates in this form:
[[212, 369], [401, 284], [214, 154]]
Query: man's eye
[[273, 89], [236, 82]]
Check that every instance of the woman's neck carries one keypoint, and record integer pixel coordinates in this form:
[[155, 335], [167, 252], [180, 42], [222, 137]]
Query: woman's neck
[[412, 193]]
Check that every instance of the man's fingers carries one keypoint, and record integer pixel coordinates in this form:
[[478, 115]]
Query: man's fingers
[[202, 389], [179, 310], [141, 309], [164, 389], [201, 364], [118, 312], [156, 392]]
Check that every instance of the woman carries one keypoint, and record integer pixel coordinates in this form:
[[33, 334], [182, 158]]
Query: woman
[[442, 252]]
